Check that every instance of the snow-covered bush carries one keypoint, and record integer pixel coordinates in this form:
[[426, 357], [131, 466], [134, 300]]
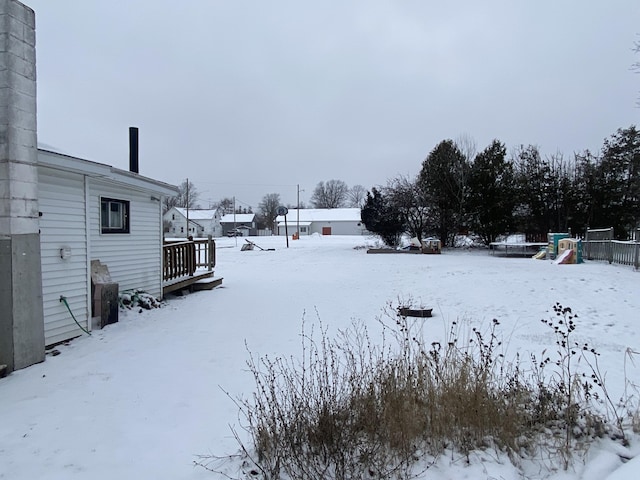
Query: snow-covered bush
[[138, 298]]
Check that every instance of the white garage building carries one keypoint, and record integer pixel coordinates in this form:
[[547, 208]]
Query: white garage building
[[324, 221]]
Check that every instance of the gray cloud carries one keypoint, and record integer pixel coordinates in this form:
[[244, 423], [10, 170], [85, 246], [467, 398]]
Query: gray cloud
[[252, 97]]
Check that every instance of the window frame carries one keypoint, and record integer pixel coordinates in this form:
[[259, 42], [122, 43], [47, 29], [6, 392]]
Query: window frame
[[125, 216]]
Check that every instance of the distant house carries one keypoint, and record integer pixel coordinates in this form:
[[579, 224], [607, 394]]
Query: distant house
[[201, 223], [245, 222], [92, 211], [325, 221]]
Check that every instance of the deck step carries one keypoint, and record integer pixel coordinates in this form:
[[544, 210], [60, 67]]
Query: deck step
[[207, 284]]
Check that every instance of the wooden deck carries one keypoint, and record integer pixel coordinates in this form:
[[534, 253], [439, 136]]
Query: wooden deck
[[189, 264], [188, 281]]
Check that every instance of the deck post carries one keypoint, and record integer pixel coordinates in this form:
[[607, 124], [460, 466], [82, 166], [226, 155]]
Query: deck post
[[210, 252], [611, 245], [636, 261]]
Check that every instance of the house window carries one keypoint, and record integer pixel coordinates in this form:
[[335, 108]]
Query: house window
[[303, 229], [181, 229], [114, 215], [173, 216]]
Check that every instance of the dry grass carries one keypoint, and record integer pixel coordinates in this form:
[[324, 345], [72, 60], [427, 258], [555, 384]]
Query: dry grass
[[352, 409]]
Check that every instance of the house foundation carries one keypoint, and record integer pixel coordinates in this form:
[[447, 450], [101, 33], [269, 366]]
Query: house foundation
[[21, 311]]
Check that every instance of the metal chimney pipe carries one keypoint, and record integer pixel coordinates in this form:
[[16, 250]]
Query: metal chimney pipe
[[133, 150]]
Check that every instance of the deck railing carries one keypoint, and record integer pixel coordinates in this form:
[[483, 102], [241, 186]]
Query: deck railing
[[182, 258], [600, 245]]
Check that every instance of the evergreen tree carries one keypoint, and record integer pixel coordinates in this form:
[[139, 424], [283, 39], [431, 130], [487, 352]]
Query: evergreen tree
[[620, 167], [532, 179], [560, 192], [582, 200], [382, 218], [491, 193], [443, 178]]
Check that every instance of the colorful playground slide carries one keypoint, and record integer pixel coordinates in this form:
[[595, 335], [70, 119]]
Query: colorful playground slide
[[540, 255], [565, 257]]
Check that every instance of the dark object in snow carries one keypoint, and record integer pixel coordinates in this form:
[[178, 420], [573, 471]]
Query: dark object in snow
[[3, 371], [391, 250], [420, 312], [249, 246]]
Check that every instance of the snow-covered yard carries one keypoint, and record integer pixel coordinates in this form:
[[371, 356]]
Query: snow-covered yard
[[142, 398]]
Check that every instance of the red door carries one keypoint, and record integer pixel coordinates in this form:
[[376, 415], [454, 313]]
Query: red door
[[326, 230]]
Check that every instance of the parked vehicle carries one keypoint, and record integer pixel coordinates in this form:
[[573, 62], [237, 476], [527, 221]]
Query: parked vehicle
[[236, 232]]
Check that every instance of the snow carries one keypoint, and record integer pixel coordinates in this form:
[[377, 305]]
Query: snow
[[144, 397], [238, 218], [198, 214]]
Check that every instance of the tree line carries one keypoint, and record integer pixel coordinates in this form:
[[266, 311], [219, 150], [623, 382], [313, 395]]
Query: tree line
[[329, 194], [490, 193]]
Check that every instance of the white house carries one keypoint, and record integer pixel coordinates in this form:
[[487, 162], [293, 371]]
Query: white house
[[59, 213], [246, 222], [91, 211], [201, 223], [325, 221]]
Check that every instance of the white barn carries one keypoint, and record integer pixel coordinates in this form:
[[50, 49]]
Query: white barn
[[201, 223], [91, 211], [324, 221]]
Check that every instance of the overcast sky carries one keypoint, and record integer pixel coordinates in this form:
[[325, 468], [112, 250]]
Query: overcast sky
[[252, 97]]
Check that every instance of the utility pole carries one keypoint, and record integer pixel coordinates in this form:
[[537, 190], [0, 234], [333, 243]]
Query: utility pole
[[298, 215], [187, 205]]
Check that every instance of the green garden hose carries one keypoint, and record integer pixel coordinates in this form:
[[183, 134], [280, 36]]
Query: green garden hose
[[63, 299]]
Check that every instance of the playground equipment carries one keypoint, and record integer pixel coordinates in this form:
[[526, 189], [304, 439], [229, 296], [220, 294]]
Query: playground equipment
[[431, 245], [540, 255], [554, 239], [569, 251], [562, 249]]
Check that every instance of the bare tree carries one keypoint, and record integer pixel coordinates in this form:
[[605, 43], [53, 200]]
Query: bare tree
[[225, 205], [467, 145], [413, 205], [186, 198], [301, 206], [267, 207], [332, 194], [356, 196], [636, 65]]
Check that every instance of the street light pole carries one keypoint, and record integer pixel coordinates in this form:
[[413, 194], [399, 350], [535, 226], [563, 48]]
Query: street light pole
[[298, 215]]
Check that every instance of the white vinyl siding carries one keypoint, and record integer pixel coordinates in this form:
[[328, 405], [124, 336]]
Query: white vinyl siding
[[337, 227], [63, 225], [134, 259]]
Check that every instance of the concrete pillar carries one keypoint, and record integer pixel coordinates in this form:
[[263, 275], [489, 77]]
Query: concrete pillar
[[21, 312]]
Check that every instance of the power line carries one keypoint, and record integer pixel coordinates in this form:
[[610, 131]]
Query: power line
[[248, 184]]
